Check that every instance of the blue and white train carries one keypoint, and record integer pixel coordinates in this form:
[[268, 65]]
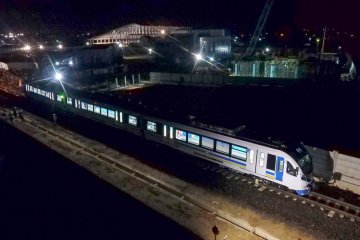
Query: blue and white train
[[289, 166]]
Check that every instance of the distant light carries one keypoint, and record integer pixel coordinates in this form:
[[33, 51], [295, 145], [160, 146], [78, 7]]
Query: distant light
[[41, 46], [162, 31], [60, 46], [58, 76], [339, 47], [27, 47], [267, 49], [87, 43], [150, 50], [57, 63], [318, 40], [281, 34], [71, 63], [120, 44], [211, 59], [260, 39], [198, 56]]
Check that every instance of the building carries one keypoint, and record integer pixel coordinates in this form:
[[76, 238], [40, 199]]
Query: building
[[132, 33]]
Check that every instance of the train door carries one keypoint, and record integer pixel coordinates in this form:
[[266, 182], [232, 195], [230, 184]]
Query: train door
[[270, 166], [279, 168], [251, 160], [260, 163]]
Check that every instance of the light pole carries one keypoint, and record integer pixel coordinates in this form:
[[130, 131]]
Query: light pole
[[317, 47]]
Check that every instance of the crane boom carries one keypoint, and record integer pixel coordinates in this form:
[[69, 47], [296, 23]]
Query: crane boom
[[259, 28]]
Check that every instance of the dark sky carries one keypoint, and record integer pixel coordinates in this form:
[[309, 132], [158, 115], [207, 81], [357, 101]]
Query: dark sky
[[237, 15]]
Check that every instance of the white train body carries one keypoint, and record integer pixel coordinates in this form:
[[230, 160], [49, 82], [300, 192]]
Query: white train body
[[289, 166]]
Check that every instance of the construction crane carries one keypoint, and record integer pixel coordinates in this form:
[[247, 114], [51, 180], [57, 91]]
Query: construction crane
[[259, 27]]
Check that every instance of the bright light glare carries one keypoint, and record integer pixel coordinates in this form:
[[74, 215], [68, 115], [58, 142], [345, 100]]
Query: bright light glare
[[198, 56], [87, 43], [58, 76], [27, 48], [162, 31], [211, 59], [150, 50], [267, 49], [57, 63], [120, 45], [71, 63], [41, 46], [60, 46]]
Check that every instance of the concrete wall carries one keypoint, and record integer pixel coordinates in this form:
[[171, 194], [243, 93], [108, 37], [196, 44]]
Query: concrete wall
[[340, 170]]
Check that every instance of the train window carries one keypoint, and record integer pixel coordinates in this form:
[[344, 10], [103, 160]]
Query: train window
[[58, 97], [262, 158], [270, 163], [121, 117], [132, 120], [238, 152], [69, 101], [116, 116], [84, 105], [180, 135], [281, 165], [290, 169], [171, 132], [104, 111], [165, 133], [207, 143], [151, 126], [43, 92], [251, 156], [222, 147], [111, 114], [97, 109], [90, 107], [194, 139]]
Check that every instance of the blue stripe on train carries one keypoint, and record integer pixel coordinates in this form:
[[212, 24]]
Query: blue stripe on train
[[270, 173], [228, 159]]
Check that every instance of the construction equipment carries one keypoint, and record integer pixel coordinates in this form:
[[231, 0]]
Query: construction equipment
[[259, 27]]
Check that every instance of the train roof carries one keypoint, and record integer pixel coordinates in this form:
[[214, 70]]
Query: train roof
[[141, 103]]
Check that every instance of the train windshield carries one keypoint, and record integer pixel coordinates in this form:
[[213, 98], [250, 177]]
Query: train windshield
[[302, 157]]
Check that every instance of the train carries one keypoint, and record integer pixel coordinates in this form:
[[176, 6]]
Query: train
[[287, 165]]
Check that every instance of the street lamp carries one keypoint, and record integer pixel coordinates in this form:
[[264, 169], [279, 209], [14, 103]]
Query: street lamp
[[317, 44], [27, 47], [58, 76], [198, 57]]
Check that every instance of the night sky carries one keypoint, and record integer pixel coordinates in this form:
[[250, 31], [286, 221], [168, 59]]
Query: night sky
[[236, 15]]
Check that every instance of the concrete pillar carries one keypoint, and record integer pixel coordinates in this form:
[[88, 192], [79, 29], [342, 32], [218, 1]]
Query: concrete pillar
[[334, 155]]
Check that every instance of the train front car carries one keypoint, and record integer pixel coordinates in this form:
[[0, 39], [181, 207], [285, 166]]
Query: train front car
[[300, 169]]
